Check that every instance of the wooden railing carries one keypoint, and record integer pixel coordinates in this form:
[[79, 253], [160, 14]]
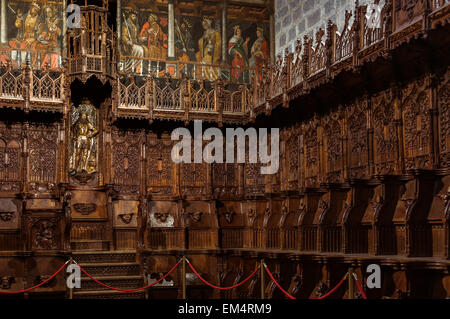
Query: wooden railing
[[37, 59], [34, 86], [154, 97], [185, 69]]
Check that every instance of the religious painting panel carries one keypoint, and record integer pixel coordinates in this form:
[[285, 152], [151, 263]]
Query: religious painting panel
[[199, 40], [143, 36], [33, 31], [247, 46]]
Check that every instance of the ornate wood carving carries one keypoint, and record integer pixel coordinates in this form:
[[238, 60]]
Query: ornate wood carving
[[42, 144], [126, 163]]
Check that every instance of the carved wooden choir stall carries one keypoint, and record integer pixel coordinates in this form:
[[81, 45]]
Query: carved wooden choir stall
[[364, 117]]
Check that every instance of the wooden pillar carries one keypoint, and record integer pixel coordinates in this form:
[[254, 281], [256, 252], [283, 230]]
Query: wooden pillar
[[171, 31], [4, 23]]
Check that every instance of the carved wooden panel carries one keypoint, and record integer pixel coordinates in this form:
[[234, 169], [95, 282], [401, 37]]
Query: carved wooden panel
[[254, 180], [193, 179], [225, 179], [311, 153], [293, 157], [126, 160], [333, 150], [10, 158], [42, 145], [385, 134], [160, 167], [417, 127], [444, 122], [357, 140], [406, 11]]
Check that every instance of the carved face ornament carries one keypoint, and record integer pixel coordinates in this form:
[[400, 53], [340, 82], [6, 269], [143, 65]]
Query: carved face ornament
[[126, 217], [228, 216], [6, 216], [6, 282], [196, 216], [161, 217]]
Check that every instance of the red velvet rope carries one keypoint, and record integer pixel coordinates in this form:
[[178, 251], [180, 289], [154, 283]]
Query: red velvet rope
[[361, 290], [277, 284], [334, 289], [31, 288], [131, 290], [222, 288]]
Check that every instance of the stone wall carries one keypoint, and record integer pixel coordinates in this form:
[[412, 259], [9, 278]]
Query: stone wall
[[296, 18]]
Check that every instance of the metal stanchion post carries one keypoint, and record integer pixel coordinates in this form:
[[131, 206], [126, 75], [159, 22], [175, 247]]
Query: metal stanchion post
[[183, 279], [70, 288], [262, 279], [351, 287]]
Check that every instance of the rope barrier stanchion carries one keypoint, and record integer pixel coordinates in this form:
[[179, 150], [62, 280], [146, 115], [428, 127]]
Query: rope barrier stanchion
[[351, 287], [38, 285], [335, 288], [70, 288], [183, 278], [360, 288], [131, 290], [263, 285], [277, 284], [221, 288]]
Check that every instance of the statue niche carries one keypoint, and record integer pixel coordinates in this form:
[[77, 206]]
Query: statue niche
[[83, 159]]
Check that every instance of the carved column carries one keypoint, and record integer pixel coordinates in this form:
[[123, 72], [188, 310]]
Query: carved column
[[370, 136], [64, 27], [118, 21], [25, 130], [434, 120], [399, 158]]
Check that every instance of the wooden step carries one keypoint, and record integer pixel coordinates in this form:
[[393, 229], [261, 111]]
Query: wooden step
[[107, 294], [123, 282], [89, 245], [111, 256], [111, 269]]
